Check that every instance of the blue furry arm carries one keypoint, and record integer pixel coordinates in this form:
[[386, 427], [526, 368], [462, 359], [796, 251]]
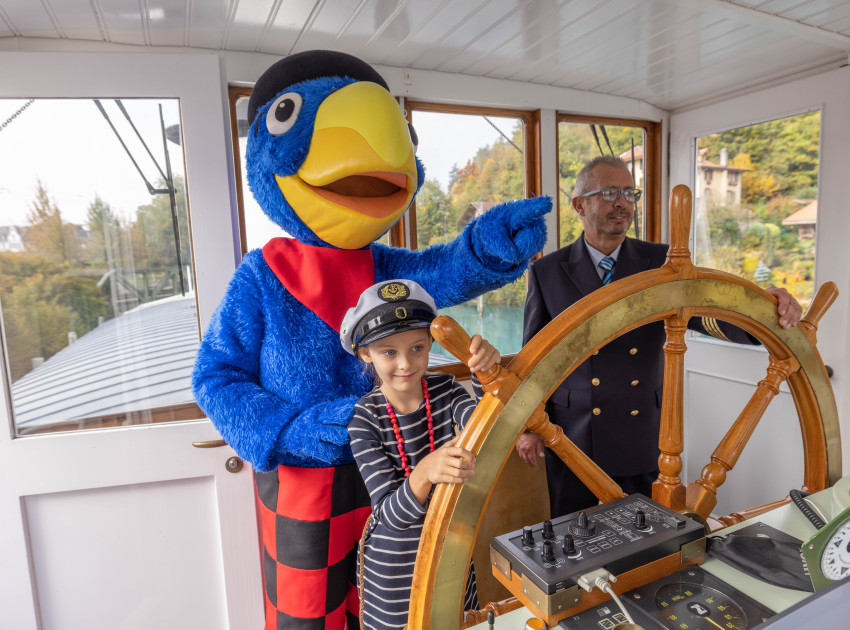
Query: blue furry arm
[[493, 250], [255, 417]]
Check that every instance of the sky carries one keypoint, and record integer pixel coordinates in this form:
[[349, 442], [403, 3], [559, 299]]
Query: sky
[[68, 145], [89, 160]]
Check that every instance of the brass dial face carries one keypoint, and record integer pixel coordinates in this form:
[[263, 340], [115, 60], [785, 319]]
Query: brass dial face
[[685, 606], [835, 559]]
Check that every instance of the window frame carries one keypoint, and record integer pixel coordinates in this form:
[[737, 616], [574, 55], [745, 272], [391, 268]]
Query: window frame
[[652, 171], [234, 93]]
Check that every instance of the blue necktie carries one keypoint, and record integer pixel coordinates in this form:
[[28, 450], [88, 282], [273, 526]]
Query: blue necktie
[[607, 265]]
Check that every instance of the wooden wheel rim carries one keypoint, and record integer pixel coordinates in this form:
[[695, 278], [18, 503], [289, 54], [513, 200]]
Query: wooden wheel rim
[[453, 517]]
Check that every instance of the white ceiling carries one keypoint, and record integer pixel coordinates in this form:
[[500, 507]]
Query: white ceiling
[[670, 53]]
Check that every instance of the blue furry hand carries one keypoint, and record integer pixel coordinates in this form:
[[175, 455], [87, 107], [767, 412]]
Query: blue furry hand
[[321, 433], [509, 234]]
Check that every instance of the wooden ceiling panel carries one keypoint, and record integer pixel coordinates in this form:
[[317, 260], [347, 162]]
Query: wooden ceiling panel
[[556, 42], [467, 38], [123, 23], [28, 18], [297, 20], [404, 33], [704, 87], [323, 25], [519, 41], [208, 22], [249, 23], [670, 53], [76, 18], [828, 18], [804, 11], [429, 37], [653, 41], [168, 23]]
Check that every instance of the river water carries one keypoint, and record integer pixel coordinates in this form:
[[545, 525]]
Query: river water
[[500, 325]]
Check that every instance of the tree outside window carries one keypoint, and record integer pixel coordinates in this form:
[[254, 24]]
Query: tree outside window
[[759, 221]]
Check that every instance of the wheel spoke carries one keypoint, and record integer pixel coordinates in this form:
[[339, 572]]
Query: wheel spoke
[[668, 488], [702, 495]]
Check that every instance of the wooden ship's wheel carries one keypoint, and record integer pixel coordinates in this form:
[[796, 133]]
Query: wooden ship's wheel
[[515, 397]]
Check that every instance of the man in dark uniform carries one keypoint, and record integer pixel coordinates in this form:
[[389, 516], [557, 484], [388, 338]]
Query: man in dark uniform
[[610, 406]]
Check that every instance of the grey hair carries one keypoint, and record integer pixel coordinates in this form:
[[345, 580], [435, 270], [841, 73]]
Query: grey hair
[[585, 181]]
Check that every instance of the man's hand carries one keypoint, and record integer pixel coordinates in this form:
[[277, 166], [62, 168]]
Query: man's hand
[[788, 309], [530, 448]]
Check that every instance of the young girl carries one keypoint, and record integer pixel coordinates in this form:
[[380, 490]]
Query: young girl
[[403, 439]]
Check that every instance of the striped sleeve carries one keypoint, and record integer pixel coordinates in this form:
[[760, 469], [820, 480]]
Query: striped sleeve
[[462, 403], [392, 499]]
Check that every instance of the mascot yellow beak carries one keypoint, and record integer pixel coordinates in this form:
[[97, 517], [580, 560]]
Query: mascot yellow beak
[[360, 173]]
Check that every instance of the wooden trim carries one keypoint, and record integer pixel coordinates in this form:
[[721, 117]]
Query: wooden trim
[[473, 110], [234, 93], [652, 176], [651, 169], [173, 413], [398, 235], [533, 158]]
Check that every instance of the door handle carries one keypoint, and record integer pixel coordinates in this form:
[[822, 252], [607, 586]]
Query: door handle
[[209, 444], [233, 464]]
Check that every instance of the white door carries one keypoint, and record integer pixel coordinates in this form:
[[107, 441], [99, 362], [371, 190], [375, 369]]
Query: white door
[[127, 526], [721, 377]]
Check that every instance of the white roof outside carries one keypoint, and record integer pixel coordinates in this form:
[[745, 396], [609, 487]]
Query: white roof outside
[[139, 360]]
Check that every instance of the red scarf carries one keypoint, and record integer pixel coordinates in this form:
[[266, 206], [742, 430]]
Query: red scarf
[[328, 281]]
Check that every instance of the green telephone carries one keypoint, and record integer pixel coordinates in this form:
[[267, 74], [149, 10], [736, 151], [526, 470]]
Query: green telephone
[[827, 552]]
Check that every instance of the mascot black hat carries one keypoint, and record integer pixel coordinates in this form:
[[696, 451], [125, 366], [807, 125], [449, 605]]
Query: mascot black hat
[[310, 64]]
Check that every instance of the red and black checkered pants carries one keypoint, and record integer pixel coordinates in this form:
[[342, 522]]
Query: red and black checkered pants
[[312, 519]]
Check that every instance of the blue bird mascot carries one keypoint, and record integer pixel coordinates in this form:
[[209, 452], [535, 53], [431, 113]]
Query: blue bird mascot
[[331, 160]]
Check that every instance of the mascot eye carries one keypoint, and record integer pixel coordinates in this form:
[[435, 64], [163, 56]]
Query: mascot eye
[[283, 113], [413, 137]]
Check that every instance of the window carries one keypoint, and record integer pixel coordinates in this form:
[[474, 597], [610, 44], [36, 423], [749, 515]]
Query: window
[[474, 159], [637, 143], [97, 298], [764, 231]]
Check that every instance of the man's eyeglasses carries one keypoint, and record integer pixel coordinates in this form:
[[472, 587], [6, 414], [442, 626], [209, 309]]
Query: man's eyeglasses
[[611, 194]]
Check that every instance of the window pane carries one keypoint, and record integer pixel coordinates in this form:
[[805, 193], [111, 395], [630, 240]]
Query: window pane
[[472, 162], [756, 202], [578, 143], [96, 283]]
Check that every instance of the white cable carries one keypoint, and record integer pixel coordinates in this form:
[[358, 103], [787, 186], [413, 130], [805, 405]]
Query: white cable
[[599, 578], [815, 509], [607, 588]]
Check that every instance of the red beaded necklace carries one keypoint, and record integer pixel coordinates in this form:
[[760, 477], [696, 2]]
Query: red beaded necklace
[[399, 440]]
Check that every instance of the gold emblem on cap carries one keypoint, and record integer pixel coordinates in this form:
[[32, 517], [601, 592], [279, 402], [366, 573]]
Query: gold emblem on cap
[[393, 291]]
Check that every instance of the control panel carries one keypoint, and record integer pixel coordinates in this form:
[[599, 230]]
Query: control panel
[[690, 599], [539, 563]]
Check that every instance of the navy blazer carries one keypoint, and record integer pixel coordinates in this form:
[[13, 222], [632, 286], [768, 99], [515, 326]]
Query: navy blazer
[[610, 406]]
